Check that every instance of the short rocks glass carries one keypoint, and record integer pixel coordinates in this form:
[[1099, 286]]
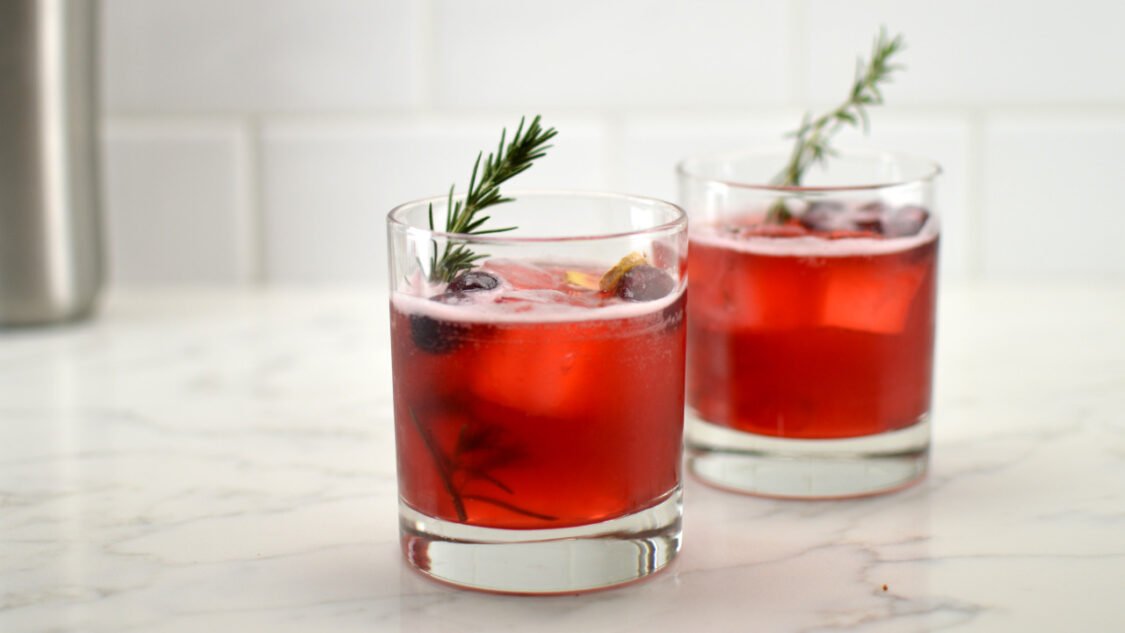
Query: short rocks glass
[[810, 336], [539, 396]]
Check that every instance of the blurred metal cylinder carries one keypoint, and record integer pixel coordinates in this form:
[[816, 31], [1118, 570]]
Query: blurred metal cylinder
[[50, 228]]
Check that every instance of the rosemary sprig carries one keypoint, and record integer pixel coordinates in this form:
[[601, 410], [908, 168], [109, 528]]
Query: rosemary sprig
[[461, 217], [456, 473], [813, 137], [443, 467]]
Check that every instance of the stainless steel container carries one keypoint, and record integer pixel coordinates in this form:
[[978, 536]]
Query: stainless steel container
[[50, 234]]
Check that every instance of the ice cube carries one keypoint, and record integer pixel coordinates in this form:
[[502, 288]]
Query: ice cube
[[828, 217], [869, 217], [537, 373], [906, 221], [540, 296], [735, 292], [824, 215], [875, 297], [523, 275]]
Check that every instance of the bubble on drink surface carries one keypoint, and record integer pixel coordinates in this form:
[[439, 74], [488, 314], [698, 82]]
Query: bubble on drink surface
[[474, 281], [644, 283]]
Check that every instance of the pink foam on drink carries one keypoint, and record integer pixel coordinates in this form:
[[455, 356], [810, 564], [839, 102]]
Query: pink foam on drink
[[529, 293], [812, 245]]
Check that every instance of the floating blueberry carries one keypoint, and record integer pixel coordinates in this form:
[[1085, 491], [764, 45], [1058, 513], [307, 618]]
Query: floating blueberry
[[473, 280], [644, 283], [906, 221], [433, 335]]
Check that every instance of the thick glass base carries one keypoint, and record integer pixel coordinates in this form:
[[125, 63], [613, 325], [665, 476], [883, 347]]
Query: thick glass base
[[807, 469], [562, 560]]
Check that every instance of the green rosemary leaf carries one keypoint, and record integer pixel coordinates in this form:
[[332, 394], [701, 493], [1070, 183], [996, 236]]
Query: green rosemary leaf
[[813, 137], [510, 159]]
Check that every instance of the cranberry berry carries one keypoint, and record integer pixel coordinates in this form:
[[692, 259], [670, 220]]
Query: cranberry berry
[[644, 283], [473, 280], [434, 335]]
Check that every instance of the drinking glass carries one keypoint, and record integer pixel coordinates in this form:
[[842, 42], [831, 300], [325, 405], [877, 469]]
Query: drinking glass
[[810, 339], [539, 411]]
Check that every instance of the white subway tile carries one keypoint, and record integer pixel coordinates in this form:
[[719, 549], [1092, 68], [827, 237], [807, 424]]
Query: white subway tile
[[654, 145], [973, 52], [175, 203], [624, 53], [328, 187], [1053, 196], [238, 55]]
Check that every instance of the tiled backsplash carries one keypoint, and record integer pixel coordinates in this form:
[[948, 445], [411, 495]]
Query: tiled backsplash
[[264, 140]]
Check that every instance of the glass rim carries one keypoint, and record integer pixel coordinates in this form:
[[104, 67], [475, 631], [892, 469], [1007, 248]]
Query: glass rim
[[931, 170], [679, 222]]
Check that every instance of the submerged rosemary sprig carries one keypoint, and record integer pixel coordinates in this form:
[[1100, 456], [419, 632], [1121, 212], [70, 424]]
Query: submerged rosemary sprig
[[475, 454], [461, 217], [813, 137]]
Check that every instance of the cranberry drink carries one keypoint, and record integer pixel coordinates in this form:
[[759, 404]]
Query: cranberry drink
[[820, 327], [536, 395]]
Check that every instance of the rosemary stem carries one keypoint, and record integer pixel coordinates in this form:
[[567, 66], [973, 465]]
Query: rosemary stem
[[442, 468], [813, 138]]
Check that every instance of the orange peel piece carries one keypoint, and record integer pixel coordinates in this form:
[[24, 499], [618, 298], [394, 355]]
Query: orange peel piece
[[581, 279], [613, 276]]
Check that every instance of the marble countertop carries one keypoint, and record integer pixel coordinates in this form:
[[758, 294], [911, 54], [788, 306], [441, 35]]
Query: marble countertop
[[222, 460]]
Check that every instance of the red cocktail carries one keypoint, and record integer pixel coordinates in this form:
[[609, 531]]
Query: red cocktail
[[539, 392], [539, 404], [810, 333], [811, 323]]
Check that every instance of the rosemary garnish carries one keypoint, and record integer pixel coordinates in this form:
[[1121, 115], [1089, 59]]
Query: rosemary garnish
[[442, 466], [525, 147], [814, 136], [476, 452]]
